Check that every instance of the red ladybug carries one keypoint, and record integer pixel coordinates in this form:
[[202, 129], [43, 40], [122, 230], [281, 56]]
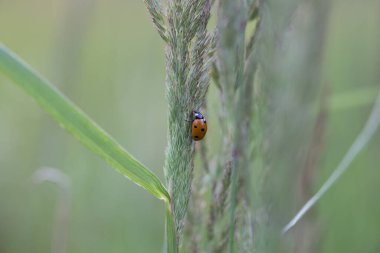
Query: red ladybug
[[198, 127]]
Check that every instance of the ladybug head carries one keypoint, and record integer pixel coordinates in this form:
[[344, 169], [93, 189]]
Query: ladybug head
[[198, 115]]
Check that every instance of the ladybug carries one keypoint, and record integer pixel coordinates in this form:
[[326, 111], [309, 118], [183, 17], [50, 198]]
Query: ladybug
[[198, 127]]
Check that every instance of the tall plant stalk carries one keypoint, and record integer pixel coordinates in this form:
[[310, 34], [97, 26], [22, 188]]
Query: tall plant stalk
[[183, 26]]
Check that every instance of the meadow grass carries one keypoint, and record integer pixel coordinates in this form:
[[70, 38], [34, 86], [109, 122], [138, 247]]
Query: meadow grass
[[267, 77]]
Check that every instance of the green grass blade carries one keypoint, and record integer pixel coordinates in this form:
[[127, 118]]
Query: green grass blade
[[78, 123], [361, 141], [171, 245]]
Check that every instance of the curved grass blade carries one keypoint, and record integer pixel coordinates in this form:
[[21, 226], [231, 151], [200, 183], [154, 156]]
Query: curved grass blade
[[78, 123], [360, 142]]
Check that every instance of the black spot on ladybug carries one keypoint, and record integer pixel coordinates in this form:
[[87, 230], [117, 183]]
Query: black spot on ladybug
[[202, 129], [195, 126], [196, 137]]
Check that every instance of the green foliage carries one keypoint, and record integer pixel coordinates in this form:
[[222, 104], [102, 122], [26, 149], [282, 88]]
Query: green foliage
[[359, 144], [186, 89], [78, 123], [187, 67], [264, 152], [171, 244]]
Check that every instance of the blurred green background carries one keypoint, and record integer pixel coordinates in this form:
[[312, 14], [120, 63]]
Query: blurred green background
[[107, 57]]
